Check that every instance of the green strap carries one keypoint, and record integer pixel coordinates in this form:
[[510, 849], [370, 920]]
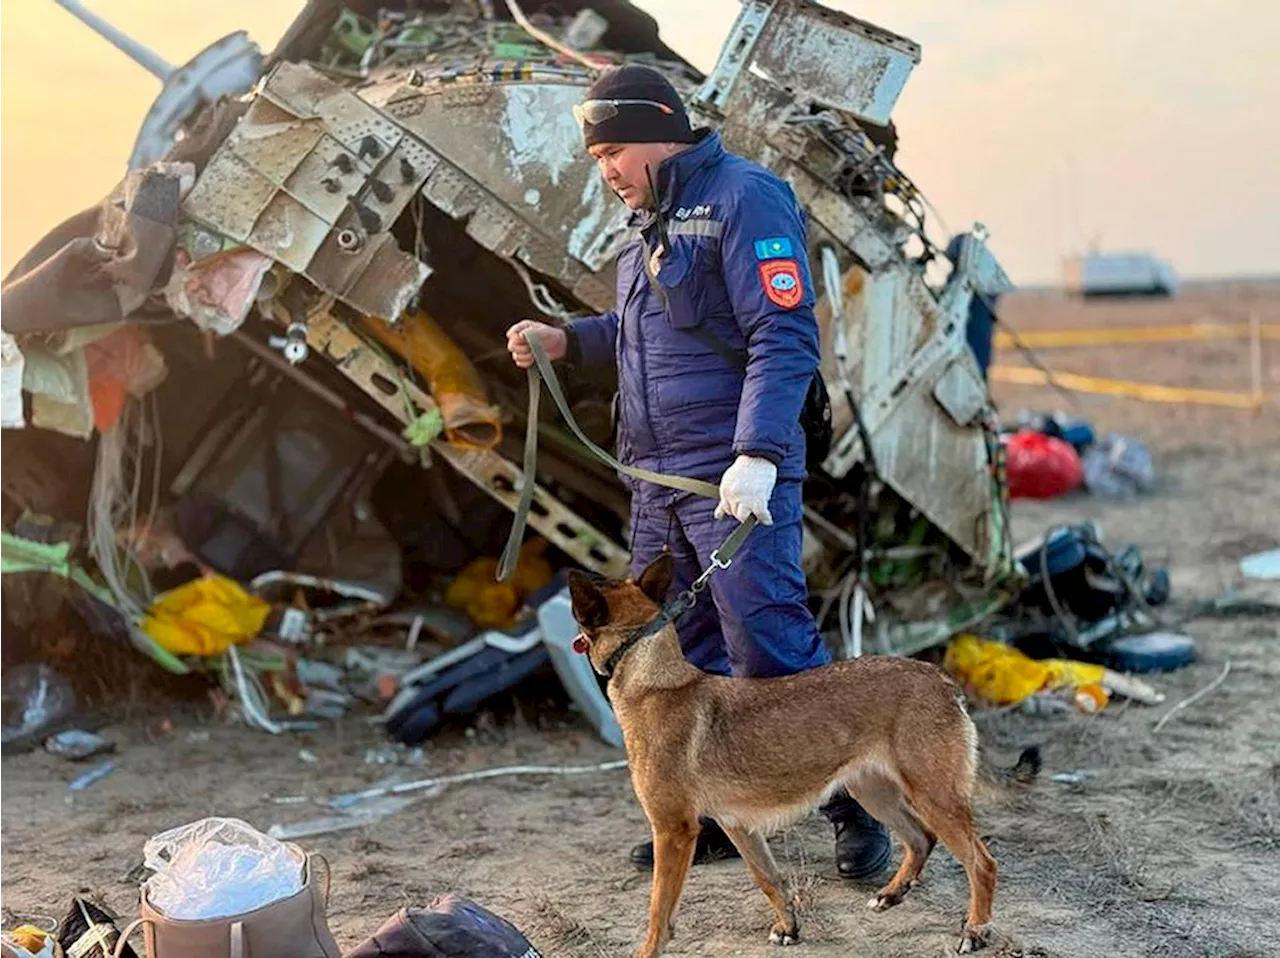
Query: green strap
[[696, 486], [542, 372], [729, 548]]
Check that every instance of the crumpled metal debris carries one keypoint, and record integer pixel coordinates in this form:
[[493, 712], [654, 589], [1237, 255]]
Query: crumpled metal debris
[[312, 172], [315, 178]]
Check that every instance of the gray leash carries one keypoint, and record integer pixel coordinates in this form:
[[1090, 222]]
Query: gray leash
[[542, 372]]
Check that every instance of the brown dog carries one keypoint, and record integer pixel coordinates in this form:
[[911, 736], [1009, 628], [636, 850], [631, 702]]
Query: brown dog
[[756, 753]]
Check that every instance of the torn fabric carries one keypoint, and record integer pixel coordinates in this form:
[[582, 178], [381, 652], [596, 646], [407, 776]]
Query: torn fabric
[[216, 292], [102, 264], [121, 365]]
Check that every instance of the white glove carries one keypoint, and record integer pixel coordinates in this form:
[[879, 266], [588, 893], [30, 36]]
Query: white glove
[[745, 489]]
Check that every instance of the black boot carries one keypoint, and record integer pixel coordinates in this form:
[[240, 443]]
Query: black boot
[[863, 848], [713, 845]]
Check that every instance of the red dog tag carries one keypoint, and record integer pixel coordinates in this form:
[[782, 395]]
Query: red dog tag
[[581, 645]]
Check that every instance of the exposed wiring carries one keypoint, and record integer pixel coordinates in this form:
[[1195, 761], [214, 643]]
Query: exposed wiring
[[547, 40], [254, 703], [865, 156], [352, 798], [539, 295], [114, 506], [1027, 352]]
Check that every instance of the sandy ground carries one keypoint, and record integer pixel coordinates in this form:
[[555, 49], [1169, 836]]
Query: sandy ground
[[1169, 847]]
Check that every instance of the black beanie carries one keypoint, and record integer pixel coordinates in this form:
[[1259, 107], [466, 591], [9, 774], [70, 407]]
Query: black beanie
[[636, 122]]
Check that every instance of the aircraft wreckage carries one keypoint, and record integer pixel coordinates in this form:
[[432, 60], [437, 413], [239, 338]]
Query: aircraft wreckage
[[405, 180]]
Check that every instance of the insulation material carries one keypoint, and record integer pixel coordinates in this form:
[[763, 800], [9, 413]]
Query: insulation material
[[102, 264], [142, 239], [121, 365], [11, 382], [469, 419], [217, 291], [59, 387]]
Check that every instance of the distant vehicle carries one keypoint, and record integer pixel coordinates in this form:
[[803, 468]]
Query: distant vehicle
[[1119, 274]]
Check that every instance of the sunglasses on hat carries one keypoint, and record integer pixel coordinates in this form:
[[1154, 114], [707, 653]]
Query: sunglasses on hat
[[597, 111]]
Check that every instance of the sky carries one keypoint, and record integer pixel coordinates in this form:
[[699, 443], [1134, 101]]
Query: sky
[[1129, 124]]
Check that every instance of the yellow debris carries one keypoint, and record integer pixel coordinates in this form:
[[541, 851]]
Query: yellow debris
[[205, 617], [491, 604], [28, 941], [1004, 676], [469, 418]]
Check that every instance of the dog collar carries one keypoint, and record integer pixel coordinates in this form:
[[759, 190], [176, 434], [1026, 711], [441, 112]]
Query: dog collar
[[721, 558], [666, 615]]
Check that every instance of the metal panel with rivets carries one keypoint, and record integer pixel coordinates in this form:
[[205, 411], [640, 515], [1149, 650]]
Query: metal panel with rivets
[[315, 178]]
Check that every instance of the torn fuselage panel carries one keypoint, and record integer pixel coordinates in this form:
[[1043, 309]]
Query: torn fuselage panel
[[314, 177]]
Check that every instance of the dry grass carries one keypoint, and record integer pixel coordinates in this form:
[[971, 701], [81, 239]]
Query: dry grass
[[556, 932]]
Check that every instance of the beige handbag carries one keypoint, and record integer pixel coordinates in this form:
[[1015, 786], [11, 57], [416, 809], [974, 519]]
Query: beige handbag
[[293, 927]]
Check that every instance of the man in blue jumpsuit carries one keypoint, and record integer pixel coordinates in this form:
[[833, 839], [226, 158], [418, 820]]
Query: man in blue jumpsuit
[[717, 270]]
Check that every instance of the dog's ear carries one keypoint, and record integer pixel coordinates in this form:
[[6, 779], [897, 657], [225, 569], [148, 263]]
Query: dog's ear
[[589, 605], [655, 580]]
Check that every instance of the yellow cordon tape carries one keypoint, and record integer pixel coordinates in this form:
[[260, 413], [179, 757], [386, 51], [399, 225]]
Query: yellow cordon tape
[[1134, 335], [1026, 376]]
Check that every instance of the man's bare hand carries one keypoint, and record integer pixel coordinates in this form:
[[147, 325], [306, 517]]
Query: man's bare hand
[[555, 342]]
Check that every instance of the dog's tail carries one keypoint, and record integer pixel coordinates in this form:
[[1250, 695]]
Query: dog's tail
[[1023, 772], [996, 780]]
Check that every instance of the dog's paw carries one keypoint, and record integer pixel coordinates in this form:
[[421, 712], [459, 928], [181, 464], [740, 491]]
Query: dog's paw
[[883, 900], [974, 938], [785, 933]]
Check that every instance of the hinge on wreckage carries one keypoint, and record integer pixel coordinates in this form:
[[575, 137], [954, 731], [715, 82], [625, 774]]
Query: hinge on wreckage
[[496, 475]]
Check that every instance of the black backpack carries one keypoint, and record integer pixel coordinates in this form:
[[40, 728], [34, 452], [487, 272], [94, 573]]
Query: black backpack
[[451, 927]]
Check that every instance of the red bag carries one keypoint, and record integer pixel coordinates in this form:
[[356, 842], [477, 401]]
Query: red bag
[[1040, 466]]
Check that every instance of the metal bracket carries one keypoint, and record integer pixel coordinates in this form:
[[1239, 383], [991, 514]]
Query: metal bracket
[[496, 475], [734, 56]]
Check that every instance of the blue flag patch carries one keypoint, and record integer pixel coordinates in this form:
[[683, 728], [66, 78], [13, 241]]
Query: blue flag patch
[[775, 247]]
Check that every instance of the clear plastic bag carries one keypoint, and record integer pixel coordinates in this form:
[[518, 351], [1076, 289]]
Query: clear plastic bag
[[35, 699], [1118, 467], [217, 868]]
